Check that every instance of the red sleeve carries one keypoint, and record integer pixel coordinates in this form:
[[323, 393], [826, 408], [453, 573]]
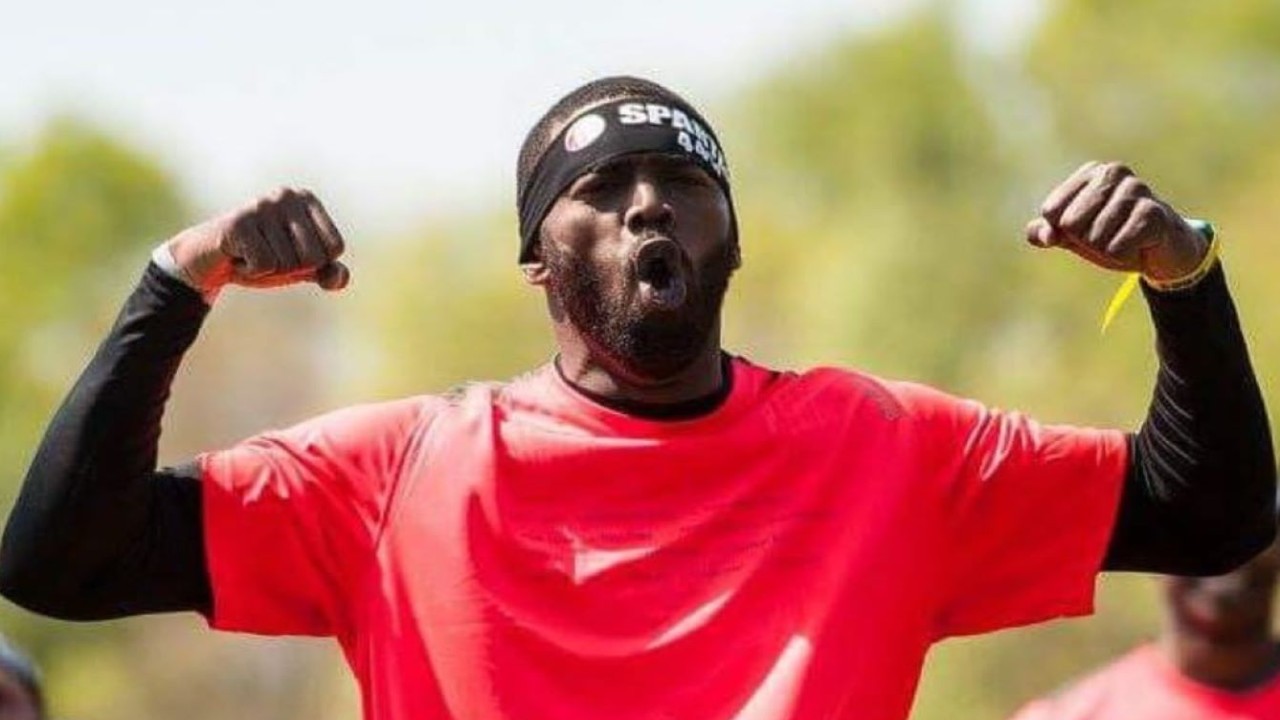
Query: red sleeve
[[291, 517], [1027, 513]]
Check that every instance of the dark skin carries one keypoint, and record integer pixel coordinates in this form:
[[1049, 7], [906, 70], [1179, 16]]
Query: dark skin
[[601, 223], [1218, 629]]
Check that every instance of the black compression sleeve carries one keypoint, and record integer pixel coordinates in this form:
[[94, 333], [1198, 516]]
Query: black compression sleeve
[[97, 532], [1199, 496]]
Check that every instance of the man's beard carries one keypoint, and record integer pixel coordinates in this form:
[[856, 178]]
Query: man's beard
[[626, 336]]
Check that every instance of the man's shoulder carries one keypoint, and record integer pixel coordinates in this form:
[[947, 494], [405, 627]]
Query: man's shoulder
[[372, 417], [892, 398]]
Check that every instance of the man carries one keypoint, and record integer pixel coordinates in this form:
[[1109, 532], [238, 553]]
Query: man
[[647, 526], [1215, 659]]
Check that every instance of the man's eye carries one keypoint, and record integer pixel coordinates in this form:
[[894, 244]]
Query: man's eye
[[688, 178], [596, 184]]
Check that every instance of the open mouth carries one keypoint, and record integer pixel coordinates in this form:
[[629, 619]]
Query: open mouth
[[658, 268]]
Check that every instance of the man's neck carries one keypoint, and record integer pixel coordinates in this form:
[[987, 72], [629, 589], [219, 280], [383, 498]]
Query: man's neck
[[1235, 666], [682, 410], [705, 377]]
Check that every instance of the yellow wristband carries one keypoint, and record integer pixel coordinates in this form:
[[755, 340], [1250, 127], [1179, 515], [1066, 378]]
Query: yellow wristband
[[1193, 277], [1130, 283]]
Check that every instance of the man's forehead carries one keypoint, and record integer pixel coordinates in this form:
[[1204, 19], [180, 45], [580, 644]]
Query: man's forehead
[[656, 159], [602, 133]]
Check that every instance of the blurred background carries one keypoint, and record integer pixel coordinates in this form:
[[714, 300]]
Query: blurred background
[[886, 156]]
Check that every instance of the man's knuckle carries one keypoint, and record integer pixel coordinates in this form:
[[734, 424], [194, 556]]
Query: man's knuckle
[[1131, 186], [1072, 221], [243, 224], [1116, 171], [1146, 212], [1101, 230], [297, 228], [266, 205]]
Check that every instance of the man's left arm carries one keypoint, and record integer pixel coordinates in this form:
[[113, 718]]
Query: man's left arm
[[1199, 492]]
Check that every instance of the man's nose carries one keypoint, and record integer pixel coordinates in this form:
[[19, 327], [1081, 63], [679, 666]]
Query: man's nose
[[649, 209]]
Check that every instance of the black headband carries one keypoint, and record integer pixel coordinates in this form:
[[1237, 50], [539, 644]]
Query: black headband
[[624, 127]]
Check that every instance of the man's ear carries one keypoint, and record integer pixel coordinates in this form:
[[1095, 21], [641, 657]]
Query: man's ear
[[735, 255], [535, 272]]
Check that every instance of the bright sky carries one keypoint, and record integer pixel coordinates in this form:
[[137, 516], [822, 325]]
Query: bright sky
[[390, 109]]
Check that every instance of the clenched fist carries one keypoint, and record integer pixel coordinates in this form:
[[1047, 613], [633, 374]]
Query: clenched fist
[[1106, 214], [284, 238]]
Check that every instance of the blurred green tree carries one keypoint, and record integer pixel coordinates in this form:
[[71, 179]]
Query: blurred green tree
[[871, 193], [448, 306], [77, 212]]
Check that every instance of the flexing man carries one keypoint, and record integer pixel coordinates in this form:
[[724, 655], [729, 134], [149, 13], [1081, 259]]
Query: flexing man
[[1215, 660], [647, 526]]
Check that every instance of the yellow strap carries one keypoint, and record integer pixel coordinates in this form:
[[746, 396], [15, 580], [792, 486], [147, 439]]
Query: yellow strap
[[1131, 281], [1119, 298], [1193, 277]]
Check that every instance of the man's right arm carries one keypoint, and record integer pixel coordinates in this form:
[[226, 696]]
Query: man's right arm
[[97, 531]]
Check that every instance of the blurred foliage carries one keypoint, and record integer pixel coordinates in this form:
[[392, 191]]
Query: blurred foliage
[[449, 306], [864, 206], [74, 210], [882, 184]]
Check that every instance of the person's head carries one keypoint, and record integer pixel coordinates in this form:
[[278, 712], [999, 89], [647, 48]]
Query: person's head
[[1229, 609], [627, 223], [20, 695]]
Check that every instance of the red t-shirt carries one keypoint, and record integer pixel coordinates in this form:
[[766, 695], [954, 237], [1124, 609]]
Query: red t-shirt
[[1143, 685], [520, 552]]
